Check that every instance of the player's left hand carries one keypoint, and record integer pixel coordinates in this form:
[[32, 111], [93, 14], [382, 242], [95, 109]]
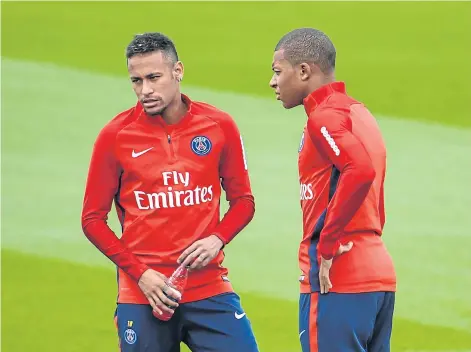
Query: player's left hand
[[200, 253], [324, 270]]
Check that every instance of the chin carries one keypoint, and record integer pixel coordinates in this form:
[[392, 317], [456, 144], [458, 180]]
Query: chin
[[154, 112], [292, 103], [288, 106]]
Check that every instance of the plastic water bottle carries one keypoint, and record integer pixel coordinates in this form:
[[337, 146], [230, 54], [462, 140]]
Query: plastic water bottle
[[178, 282]]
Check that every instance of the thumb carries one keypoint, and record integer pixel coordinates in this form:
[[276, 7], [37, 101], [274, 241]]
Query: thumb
[[345, 248]]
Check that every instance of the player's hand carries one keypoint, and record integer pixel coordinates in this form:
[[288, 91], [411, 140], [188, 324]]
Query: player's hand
[[154, 286], [200, 253], [324, 270]]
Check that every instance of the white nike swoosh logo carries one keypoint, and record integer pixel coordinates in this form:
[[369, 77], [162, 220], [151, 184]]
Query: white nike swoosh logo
[[302, 332], [135, 155], [239, 316]]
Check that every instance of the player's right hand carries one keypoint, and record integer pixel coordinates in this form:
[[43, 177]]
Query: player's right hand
[[160, 296]]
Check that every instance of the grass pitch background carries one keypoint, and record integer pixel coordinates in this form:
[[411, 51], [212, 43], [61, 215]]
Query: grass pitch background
[[64, 76]]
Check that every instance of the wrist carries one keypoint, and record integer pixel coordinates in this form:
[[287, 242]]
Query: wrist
[[218, 238], [139, 272], [328, 250]]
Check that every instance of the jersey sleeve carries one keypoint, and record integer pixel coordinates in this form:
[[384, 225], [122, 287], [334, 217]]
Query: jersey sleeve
[[331, 133], [235, 181], [101, 187]]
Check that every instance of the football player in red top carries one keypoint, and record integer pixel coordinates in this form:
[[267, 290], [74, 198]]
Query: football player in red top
[[348, 280], [163, 163]]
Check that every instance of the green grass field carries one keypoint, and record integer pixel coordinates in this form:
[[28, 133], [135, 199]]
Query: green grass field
[[64, 76]]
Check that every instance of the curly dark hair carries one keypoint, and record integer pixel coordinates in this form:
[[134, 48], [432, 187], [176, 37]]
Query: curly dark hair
[[150, 42]]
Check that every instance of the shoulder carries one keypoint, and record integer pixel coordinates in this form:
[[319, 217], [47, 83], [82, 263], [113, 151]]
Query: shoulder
[[211, 112], [221, 119], [118, 122], [334, 113]]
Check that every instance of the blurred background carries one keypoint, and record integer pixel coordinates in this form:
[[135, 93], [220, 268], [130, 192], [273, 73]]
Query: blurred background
[[64, 76]]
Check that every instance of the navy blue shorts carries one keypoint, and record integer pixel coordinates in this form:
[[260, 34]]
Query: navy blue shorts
[[346, 322], [215, 324]]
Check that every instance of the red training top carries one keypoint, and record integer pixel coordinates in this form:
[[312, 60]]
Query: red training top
[[342, 167], [166, 181]]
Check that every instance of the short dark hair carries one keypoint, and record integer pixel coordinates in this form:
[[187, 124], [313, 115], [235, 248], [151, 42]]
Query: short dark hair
[[150, 42], [308, 45]]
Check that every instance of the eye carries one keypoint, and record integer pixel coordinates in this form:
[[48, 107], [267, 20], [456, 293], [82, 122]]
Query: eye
[[135, 80], [154, 77], [277, 72]]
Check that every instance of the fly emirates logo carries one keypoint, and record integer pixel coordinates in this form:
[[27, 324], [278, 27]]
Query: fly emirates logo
[[171, 198], [305, 191]]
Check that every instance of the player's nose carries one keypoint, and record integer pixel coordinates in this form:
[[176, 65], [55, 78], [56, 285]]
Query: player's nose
[[147, 88], [273, 82]]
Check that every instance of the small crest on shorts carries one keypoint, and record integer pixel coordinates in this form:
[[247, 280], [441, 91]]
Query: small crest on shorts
[[130, 336], [201, 145], [301, 278]]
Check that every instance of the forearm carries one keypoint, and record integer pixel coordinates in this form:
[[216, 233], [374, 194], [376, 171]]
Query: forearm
[[106, 241], [240, 213], [353, 187]]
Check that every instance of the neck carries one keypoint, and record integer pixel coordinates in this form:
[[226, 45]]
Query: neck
[[175, 110]]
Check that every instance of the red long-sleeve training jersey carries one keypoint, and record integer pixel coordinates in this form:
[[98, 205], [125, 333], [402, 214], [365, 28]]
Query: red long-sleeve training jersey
[[165, 181], [342, 168]]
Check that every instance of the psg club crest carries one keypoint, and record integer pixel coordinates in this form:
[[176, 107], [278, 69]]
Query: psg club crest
[[130, 336], [301, 145], [201, 145]]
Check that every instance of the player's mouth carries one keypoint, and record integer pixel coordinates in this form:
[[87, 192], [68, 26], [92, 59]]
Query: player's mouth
[[150, 103], [277, 97]]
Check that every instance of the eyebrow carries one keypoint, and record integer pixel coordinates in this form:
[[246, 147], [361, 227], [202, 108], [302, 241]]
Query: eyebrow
[[147, 76], [153, 74]]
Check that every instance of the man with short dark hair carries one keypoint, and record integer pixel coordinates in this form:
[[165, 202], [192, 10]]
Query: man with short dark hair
[[348, 280], [163, 162]]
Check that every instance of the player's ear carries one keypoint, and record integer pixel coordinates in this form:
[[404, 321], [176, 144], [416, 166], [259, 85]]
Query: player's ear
[[305, 71], [178, 71]]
